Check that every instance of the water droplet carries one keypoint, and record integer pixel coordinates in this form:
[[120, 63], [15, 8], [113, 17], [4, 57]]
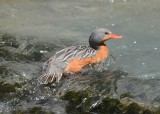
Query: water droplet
[[111, 1], [113, 24], [155, 48], [41, 51], [37, 99], [13, 15], [143, 64], [135, 42]]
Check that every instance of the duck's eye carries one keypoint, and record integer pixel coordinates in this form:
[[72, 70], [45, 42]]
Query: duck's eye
[[106, 33]]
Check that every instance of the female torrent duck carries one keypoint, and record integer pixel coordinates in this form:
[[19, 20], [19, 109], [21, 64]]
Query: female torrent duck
[[73, 59]]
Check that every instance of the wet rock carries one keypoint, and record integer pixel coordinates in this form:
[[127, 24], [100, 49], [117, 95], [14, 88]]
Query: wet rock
[[34, 105], [128, 95], [147, 112], [34, 110], [6, 88], [82, 102], [4, 70], [11, 74], [109, 106], [145, 91], [7, 39], [157, 111], [37, 51], [7, 91], [33, 52], [13, 48], [5, 108], [13, 55], [133, 108], [79, 102]]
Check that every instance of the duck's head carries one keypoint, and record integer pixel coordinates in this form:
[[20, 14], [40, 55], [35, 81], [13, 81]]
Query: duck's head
[[99, 36]]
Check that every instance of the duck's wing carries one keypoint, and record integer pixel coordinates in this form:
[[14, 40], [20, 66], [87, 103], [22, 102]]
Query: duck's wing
[[55, 66]]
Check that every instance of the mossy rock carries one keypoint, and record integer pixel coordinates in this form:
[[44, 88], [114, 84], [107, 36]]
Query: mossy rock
[[87, 104], [109, 106], [79, 102], [6, 88], [16, 56], [34, 110], [7, 91], [147, 112], [37, 51], [4, 70], [157, 111], [133, 108], [8, 40], [11, 50], [76, 97], [10, 55], [128, 95]]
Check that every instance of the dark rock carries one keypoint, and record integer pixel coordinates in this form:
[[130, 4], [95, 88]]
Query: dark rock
[[133, 108], [34, 110], [7, 91], [8, 40], [6, 88], [128, 95]]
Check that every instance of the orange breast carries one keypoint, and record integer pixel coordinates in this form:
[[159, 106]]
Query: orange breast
[[77, 64]]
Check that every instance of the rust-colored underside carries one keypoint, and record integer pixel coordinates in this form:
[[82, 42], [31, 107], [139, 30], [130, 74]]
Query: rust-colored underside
[[78, 64]]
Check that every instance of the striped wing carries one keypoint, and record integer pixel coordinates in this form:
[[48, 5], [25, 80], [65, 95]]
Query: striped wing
[[55, 66]]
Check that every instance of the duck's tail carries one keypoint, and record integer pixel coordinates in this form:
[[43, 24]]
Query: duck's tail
[[49, 78]]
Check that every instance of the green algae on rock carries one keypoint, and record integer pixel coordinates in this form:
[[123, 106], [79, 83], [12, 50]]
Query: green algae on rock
[[9, 91], [81, 102], [112, 106], [34, 110], [6, 88], [133, 108], [4, 70], [124, 95], [5, 91], [10, 49], [13, 55], [8, 40]]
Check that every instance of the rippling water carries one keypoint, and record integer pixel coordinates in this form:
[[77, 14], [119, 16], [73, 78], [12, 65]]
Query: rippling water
[[59, 23]]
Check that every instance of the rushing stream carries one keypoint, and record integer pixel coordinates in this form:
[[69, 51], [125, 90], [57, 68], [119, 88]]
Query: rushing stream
[[31, 31]]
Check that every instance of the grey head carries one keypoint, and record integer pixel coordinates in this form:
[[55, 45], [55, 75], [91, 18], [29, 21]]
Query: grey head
[[97, 36]]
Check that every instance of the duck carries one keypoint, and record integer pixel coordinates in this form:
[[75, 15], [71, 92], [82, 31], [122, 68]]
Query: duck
[[72, 60]]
